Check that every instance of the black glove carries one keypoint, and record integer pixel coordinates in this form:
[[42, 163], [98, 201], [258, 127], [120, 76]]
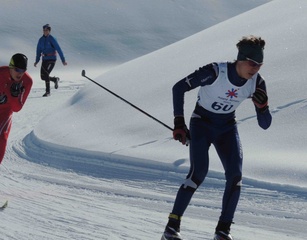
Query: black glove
[[181, 132], [3, 98], [16, 89], [260, 99]]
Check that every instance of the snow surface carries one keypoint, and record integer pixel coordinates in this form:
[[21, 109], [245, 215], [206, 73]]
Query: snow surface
[[83, 164]]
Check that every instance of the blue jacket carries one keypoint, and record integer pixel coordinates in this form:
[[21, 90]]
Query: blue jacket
[[48, 47]]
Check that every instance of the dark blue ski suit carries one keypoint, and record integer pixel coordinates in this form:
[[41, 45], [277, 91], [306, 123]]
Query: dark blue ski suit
[[216, 125]]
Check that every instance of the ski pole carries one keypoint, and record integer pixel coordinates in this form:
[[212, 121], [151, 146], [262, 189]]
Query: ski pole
[[132, 105]]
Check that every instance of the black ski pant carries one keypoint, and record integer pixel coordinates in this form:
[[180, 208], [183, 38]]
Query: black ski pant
[[226, 141], [46, 68]]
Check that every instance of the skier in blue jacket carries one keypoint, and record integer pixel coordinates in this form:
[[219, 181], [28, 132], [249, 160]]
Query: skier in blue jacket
[[48, 47], [223, 86]]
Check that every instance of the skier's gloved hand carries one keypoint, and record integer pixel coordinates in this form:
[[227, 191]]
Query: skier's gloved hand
[[16, 89], [3, 98], [181, 132], [260, 99]]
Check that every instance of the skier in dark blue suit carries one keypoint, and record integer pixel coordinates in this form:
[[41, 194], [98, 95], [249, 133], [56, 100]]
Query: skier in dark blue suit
[[223, 86], [48, 47]]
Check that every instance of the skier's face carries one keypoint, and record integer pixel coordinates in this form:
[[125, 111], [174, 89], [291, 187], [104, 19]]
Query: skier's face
[[248, 68], [17, 73], [46, 32]]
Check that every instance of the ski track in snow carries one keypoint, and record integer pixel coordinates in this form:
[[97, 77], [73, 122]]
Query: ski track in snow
[[75, 194]]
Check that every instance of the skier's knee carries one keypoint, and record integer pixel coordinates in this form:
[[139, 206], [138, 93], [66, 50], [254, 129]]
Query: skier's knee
[[191, 183], [235, 183], [44, 77], [237, 180]]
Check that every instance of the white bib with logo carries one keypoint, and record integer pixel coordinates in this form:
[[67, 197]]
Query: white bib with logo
[[222, 96]]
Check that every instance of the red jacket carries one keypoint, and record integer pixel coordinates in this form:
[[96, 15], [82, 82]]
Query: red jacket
[[13, 104]]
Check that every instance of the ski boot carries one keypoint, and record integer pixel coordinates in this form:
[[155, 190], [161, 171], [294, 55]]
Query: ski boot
[[56, 82], [47, 94], [172, 229], [222, 231], [171, 234]]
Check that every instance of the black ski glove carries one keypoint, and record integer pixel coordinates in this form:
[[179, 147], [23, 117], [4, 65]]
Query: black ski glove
[[260, 99], [16, 89], [181, 132]]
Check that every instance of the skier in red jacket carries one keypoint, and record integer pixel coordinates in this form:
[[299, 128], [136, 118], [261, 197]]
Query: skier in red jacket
[[15, 85]]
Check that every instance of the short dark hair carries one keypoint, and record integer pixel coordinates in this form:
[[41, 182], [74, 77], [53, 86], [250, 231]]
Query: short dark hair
[[251, 40]]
